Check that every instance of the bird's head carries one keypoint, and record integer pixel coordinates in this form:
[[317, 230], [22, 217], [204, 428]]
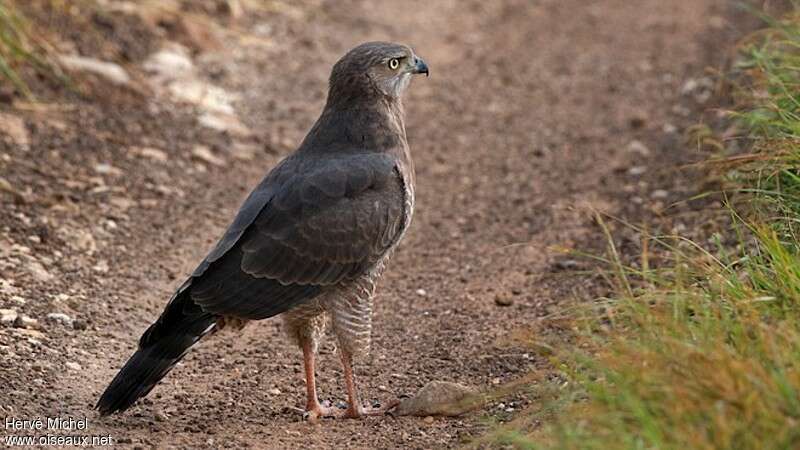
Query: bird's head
[[374, 69]]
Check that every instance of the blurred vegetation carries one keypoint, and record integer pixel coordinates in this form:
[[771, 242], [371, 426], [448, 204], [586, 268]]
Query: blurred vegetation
[[22, 49], [705, 353]]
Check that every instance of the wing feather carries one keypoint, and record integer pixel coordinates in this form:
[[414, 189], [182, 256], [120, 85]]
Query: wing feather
[[329, 222]]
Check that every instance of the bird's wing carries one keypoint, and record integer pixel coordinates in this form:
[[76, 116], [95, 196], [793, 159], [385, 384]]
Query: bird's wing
[[320, 223]]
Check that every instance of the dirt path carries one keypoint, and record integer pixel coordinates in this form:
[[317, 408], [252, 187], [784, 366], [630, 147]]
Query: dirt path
[[526, 121]]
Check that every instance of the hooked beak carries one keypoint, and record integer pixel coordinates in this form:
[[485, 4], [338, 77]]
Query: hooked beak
[[420, 67]]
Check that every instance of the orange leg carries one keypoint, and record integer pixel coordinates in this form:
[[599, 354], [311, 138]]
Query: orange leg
[[313, 408], [354, 407]]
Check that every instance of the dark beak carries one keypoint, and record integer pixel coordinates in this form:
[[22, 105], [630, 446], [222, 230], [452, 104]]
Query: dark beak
[[421, 67]]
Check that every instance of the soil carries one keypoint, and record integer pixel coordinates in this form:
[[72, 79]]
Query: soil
[[536, 114]]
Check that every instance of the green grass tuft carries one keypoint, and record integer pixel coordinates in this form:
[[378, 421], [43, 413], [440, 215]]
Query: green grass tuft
[[20, 48], [704, 354]]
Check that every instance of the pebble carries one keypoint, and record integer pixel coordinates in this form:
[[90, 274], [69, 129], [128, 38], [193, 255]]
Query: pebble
[[152, 154], [204, 154], [110, 71], [107, 169], [638, 147], [209, 97], [79, 324], [8, 316], [24, 321], [637, 170], [441, 398], [73, 366], [503, 300], [669, 128], [428, 419], [421, 292], [224, 123], [60, 318], [659, 194], [275, 391], [37, 270], [170, 62], [14, 127]]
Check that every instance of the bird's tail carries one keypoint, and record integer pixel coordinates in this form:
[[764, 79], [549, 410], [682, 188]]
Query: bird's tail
[[180, 326]]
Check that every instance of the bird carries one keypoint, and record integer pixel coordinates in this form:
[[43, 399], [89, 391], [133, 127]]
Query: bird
[[310, 241]]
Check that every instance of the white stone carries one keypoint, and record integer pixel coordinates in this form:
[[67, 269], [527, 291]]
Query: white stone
[[170, 62], [60, 318], [206, 96], [153, 154], [204, 154], [227, 123], [112, 72], [7, 316], [14, 127]]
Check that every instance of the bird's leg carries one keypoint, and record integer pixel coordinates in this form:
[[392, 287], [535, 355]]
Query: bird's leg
[[313, 408], [354, 407]]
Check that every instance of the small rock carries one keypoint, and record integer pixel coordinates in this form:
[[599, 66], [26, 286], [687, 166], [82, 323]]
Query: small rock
[[421, 292], [566, 264], [669, 128], [60, 318], [659, 194], [637, 170], [107, 169], [24, 321], [204, 154], [14, 127], [6, 186], [170, 62], [37, 271], [101, 266], [637, 147], [79, 324], [81, 240], [210, 98], [73, 366], [152, 154], [112, 72], [689, 86], [638, 121], [224, 123], [160, 416], [275, 391], [440, 398], [8, 316], [503, 300], [428, 419]]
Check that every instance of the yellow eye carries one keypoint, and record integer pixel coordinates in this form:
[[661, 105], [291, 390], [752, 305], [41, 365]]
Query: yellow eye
[[394, 63]]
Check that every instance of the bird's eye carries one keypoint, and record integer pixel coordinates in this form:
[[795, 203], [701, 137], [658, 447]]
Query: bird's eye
[[394, 63]]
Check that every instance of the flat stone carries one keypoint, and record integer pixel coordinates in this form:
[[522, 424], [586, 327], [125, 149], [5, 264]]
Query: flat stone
[[440, 398], [224, 123], [8, 316], [204, 154], [170, 62], [60, 318], [153, 154], [14, 127], [110, 71], [37, 271]]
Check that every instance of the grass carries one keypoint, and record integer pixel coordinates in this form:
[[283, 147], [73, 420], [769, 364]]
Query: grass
[[705, 353], [19, 48]]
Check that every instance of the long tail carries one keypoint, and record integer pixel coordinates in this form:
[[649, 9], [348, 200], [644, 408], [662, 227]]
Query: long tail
[[180, 326]]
